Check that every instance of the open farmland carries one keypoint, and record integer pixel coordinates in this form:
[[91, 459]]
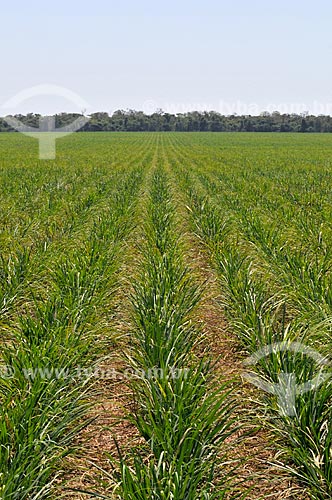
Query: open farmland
[[137, 273]]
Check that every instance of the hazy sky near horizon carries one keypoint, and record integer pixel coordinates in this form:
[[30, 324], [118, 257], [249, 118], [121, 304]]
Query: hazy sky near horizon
[[239, 56]]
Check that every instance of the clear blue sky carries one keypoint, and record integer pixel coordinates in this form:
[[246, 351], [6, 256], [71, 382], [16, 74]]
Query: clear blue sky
[[176, 55]]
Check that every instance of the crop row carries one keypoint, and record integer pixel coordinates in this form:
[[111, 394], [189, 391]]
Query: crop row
[[181, 412]]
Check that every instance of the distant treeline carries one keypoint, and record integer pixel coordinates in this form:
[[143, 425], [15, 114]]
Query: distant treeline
[[209, 121]]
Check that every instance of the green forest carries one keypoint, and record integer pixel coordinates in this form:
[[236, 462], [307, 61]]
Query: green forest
[[195, 121]]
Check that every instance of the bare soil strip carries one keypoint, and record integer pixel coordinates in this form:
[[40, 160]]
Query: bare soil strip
[[90, 469]]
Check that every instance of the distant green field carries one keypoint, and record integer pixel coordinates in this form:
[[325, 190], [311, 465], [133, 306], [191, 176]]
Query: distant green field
[[12, 144], [259, 207]]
